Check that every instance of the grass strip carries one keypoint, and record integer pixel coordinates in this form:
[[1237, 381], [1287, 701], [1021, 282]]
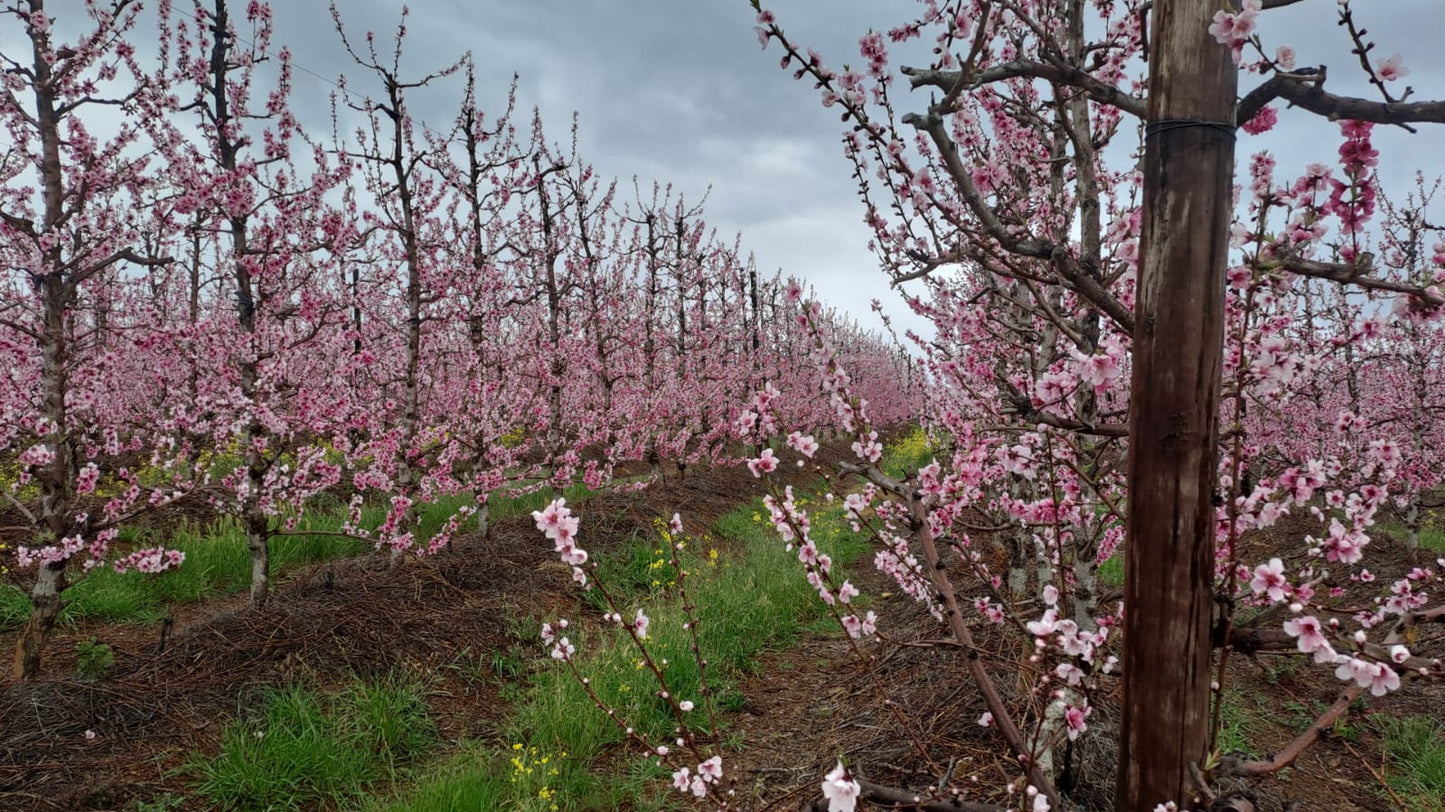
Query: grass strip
[[751, 597], [218, 562], [308, 748]]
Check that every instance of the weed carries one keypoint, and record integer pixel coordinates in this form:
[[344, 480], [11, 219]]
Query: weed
[[170, 802], [1283, 672], [534, 774], [14, 607], [1414, 748], [1433, 538], [310, 749], [95, 660], [466, 781], [908, 454], [508, 665], [1238, 727], [390, 719], [759, 602]]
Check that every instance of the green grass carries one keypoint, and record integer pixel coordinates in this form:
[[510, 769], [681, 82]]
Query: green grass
[[307, 749], [503, 507], [218, 562], [1239, 726], [750, 599], [1415, 752], [14, 607], [1432, 531], [1433, 538], [1111, 571]]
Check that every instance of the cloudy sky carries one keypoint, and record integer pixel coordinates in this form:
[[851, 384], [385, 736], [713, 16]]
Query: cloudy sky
[[679, 91]]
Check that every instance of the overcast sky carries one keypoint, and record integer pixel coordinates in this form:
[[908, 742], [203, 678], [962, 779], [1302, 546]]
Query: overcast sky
[[679, 91]]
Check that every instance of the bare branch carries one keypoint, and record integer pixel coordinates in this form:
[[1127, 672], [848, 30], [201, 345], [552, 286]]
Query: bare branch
[[1357, 274], [1051, 72], [1073, 273], [18, 505], [1305, 89]]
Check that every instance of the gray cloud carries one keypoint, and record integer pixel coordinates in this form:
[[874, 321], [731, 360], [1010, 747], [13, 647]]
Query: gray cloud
[[677, 91]]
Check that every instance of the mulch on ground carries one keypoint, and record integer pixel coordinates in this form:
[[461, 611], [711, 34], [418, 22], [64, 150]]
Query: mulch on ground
[[810, 705]]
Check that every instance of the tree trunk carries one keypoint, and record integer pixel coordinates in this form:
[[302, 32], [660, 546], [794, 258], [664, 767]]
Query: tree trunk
[[1178, 341], [258, 536], [45, 606]]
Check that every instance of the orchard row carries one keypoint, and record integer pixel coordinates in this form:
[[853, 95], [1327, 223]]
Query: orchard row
[[204, 302]]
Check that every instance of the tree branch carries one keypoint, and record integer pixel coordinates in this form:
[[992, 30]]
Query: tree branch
[[1062, 74], [1304, 88], [1073, 274], [1356, 274], [1326, 720]]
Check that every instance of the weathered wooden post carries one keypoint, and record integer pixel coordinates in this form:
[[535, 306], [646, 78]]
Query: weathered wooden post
[[1178, 340]]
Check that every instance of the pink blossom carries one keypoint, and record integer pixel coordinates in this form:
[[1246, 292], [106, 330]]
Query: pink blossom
[[1074, 717], [1045, 625], [870, 623], [563, 649], [1311, 637], [803, 443], [1233, 29], [1390, 69], [840, 790], [1269, 579], [1099, 371], [764, 464], [1378, 677], [37, 456], [550, 631], [871, 450], [1262, 122]]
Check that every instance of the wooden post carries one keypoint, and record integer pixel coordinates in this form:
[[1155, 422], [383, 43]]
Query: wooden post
[[1174, 402]]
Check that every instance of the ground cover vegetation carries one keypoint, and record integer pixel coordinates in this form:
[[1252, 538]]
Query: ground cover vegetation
[[1160, 471]]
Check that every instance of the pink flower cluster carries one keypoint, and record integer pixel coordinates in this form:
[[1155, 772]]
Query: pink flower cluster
[[708, 774], [152, 561], [1234, 28], [558, 524], [562, 648], [1379, 677]]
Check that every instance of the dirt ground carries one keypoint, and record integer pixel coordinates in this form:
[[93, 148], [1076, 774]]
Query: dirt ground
[[804, 708]]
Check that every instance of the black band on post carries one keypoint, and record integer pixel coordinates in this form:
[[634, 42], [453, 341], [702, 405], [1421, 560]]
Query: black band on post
[[1164, 125]]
